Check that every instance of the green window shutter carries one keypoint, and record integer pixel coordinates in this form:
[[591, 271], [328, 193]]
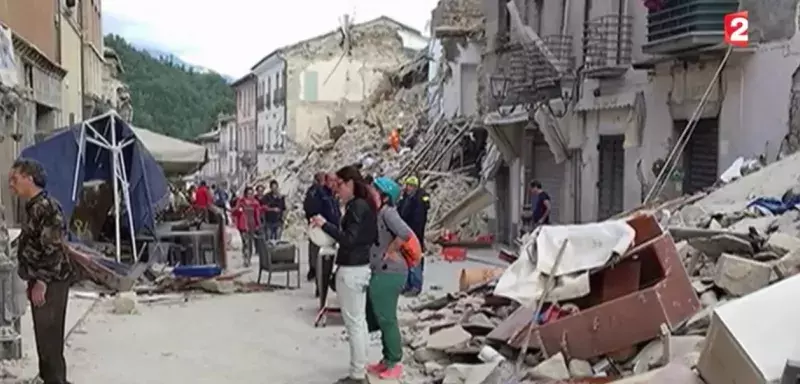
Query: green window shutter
[[310, 85]]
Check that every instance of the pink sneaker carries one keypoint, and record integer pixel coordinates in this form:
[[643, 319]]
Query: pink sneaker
[[376, 368], [395, 372]]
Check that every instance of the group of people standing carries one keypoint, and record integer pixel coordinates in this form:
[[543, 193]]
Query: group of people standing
[[257, 213], [371, 272]]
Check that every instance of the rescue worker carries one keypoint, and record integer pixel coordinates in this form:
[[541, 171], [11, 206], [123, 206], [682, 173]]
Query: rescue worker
[[413, 208], [356, 235], [389, 272], [44, 265]]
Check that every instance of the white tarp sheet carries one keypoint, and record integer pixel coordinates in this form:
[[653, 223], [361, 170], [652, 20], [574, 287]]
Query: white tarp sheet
[[175, 156], [589, 246]]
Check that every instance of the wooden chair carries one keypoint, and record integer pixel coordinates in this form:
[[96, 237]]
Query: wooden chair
[[277, 256]]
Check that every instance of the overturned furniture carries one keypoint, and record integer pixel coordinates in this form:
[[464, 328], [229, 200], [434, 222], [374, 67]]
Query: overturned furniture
[[629, 301]]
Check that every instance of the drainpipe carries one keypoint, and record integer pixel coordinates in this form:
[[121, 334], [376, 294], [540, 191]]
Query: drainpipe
[[285, 82], [623, 13], [82, 37]]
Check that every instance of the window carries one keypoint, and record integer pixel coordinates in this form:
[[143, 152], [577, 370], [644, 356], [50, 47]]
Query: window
[[310, 85], [268, 99], [504, 25], [279, 89]]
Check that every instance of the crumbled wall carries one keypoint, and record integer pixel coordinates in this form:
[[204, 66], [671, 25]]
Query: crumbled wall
[[376, 47], [772, 20], [464, 15]]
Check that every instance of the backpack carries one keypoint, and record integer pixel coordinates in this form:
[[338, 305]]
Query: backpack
[[411, 249]]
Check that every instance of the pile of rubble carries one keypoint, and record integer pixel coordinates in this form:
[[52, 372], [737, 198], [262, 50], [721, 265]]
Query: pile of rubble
[[399, 103], [654, 313]]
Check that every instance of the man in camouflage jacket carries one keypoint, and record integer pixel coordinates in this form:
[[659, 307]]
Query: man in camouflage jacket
[[44, 265]]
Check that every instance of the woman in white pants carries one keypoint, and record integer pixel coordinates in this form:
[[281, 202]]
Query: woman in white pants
[[356, 235]]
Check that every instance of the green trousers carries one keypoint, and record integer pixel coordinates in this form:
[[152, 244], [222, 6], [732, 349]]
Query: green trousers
[[384, 292]]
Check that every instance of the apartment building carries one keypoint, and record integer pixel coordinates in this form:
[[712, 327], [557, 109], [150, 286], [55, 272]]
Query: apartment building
[[307, 86], [92, 56], [589, 97], [221, 143], [245, 89], [30, 81], [271, 111], [455, 57]]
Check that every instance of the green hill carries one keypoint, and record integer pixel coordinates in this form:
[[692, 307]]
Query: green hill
[[168, 97]]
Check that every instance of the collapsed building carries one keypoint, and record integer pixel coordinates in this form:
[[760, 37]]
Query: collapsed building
[[419, 97]]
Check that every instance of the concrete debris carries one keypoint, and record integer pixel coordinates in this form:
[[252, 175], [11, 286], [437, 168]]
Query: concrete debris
[[733, 254], [739, 276], [124, 303], [553, 368], [432, 148]]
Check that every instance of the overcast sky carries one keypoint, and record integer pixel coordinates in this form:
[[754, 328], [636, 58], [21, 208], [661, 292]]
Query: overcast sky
[[230, 36]]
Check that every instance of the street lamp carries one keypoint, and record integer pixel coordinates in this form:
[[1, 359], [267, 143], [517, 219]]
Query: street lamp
[[499, 88]]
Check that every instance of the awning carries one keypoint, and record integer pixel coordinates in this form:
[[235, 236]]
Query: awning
[[615, 101], [176, 157], [510, 115]]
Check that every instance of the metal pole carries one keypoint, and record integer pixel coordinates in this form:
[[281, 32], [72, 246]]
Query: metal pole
[[81, 148], [683, 139], [113, 149], [127, 196]]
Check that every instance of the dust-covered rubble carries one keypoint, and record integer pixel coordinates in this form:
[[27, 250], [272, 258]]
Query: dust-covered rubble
[[740, 251], [428, 149]]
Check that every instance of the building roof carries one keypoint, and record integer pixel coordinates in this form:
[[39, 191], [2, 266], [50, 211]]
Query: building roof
[[243, 79], [279, 51], [208, 136]]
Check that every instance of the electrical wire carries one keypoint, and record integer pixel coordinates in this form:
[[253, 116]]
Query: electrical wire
[[683, 139]]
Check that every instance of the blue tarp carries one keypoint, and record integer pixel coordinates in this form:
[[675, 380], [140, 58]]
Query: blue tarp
[[148, 187]]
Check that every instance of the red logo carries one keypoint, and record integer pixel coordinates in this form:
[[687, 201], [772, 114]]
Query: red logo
[[736, 27]]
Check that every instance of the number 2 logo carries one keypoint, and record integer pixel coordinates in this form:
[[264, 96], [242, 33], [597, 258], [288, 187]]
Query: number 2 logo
[[737, 25]]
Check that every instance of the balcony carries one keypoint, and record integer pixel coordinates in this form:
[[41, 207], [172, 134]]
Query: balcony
[[528, 76], [560, 47], [607, 46], [686, 25]]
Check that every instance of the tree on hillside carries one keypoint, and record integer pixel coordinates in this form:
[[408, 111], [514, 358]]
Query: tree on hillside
[[168, 97]]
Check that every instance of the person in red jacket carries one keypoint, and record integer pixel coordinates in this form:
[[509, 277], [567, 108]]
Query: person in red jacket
[[202, 196], [247, 216]]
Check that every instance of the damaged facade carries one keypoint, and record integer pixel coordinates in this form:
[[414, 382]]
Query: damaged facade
[[308, 87], [31, 82], [222, 145], [246, 109], [591, 100]]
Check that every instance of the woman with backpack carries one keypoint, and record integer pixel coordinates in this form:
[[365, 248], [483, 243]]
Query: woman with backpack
[[389, 270]]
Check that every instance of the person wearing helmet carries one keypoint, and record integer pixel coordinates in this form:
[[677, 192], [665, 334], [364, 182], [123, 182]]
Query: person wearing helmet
[[389, 271], [413, 208]]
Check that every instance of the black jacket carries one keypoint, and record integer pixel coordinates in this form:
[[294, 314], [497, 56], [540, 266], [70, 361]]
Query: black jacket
[[356, 234], [273, 200], [413, 209], [314, 201]]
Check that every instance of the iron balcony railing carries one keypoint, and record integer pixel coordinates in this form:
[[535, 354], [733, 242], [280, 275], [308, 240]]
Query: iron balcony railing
[[608, 46], [530, 75], [679, 25]]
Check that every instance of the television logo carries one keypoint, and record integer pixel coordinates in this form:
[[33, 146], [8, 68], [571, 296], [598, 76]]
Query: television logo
[[736, 27]]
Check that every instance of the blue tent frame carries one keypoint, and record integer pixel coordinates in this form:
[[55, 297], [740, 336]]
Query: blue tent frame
[[104, 148]]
